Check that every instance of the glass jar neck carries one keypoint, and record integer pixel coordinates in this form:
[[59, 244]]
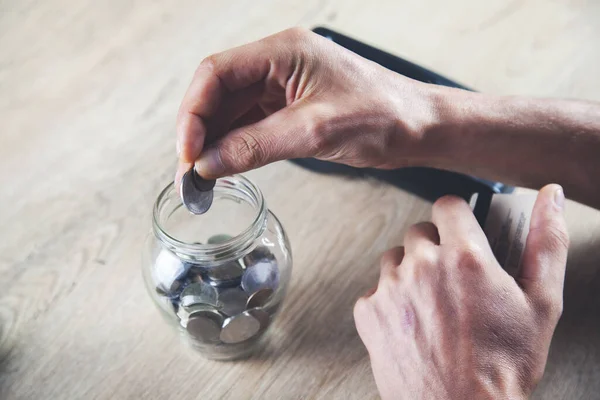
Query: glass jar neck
[[237, 188]]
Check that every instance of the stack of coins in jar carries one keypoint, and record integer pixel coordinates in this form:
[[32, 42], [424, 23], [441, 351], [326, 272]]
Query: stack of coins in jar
[[222, 304]]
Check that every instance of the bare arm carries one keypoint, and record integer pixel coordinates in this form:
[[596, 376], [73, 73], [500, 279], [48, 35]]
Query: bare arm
[[523, 141], [295, 94]]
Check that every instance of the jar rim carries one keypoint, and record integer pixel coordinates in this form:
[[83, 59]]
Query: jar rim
[[225, 251]]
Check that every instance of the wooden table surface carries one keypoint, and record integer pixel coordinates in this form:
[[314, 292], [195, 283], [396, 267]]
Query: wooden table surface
[[89, 93]]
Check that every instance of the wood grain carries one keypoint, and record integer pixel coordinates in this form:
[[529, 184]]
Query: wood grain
[[89, 94]]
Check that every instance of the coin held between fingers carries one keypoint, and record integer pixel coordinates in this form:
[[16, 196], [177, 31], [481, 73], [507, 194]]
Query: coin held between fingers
[[196, 192]]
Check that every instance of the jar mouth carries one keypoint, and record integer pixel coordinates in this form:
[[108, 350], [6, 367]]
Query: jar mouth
[[235, 188]]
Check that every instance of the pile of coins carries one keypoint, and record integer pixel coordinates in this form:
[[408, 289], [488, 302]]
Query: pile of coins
[[228, 303]]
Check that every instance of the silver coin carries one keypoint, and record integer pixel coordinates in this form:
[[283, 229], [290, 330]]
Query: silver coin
[[225, 275], [262, 317], [184, 312], [216, 239], [259, 299], [196, 193], [262, 275], [198, 293], [232, 301], [240, 328], [204, 325], [168, 272], [258, 254]]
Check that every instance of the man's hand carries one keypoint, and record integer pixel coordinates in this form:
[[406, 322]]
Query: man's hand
[[296, 94], [446, 321]]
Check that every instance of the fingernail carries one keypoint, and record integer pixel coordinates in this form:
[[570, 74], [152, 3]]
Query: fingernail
[[559, 198], [209, 164]]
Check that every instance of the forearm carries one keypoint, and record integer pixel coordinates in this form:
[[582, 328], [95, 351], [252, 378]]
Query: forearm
[[522, 141]]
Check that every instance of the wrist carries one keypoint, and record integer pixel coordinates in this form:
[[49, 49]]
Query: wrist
[[448, 134], [476, 134], [430, 124]]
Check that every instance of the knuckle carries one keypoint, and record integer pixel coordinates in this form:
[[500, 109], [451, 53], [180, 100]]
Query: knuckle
[[243, 151], [296, 33], [466, 255], [413, 230], [209, 63], [362, 308], [427, 255], [386, 289], [557, 310], [446, 203], [423, 230], [387, 278], [558, 238], [392, 257], [550, 307], [316, 130], [410, 273], [549, 246]]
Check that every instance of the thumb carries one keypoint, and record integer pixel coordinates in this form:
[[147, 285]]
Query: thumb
[[282, 135], [544, 259]]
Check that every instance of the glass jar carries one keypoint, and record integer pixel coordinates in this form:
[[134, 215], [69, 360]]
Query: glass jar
[[220, 277]]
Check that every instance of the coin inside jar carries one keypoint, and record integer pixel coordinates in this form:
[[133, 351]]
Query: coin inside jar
[[259, 299], [225, 275], [198, 293], [216, 239], [261, 316], [196, 192], [168, 272], [204, 324], [240, 328], [262, 275], [258, 254], [232, 301]]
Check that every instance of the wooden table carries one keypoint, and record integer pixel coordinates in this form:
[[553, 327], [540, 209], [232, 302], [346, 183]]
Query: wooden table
[[90, 90]]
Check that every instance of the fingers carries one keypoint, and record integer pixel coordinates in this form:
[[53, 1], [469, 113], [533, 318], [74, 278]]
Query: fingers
[[182, 168], [234, 106], [544, 258], [390, 260], [456, 223], [252, 116], [198, 118], [417, 240], [228, 72], [420, 235], [191, 132], [282, 135]]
